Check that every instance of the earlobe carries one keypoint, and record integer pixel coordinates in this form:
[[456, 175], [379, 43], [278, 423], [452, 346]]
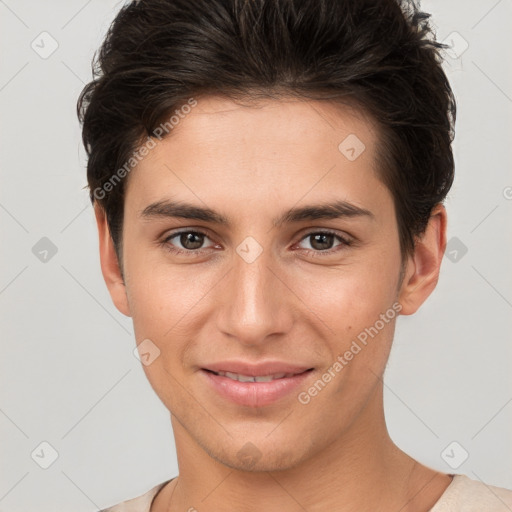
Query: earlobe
[[110, 264], [423, 266]]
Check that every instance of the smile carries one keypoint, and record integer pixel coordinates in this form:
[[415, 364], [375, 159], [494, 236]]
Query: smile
[[257, 378], [254, 390]]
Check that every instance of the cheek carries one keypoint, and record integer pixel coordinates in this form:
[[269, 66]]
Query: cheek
[[166, 302], [360, 311], [159, 305], [359, 308], [157, 302], [351, 296]]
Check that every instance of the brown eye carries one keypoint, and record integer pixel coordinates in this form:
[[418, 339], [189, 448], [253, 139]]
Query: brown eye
[[191, 240], [321, 241], [186, 241], [324, 242]]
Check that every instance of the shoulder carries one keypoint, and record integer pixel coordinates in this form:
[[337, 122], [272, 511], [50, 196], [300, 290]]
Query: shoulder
[[467, 495], [140, 503]]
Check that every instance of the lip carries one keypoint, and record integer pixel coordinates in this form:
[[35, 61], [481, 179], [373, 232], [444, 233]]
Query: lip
[[255, 394]]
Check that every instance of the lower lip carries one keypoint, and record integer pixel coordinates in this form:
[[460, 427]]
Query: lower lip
[[255, 394]]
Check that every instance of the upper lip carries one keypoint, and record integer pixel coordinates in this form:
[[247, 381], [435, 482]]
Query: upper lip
[[258, 369]]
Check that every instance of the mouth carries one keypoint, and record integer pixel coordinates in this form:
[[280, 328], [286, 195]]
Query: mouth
[[256, 378], [255, 390]]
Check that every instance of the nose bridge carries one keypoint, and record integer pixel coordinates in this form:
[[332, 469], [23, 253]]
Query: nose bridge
[[255, 304]]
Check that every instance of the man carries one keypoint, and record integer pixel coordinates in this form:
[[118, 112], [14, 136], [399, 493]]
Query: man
[[268, 179]]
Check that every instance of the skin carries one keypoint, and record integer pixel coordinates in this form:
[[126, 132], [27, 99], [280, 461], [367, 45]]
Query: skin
[[251, 163]]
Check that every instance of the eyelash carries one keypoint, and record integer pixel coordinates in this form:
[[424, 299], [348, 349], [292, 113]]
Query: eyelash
[[198, 252]]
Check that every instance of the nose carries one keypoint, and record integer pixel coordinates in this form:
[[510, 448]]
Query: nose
[[256, 303]]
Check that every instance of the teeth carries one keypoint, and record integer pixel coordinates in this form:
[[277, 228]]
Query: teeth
[[266, 378], [247, 378]]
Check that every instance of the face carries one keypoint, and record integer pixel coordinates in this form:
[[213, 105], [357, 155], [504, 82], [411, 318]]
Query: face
[[257, 242]]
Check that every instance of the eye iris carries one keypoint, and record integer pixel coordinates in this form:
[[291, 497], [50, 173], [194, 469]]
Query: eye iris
[[191, 240], [325, 241]]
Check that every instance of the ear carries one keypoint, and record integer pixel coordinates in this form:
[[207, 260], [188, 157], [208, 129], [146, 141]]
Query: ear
[[110, 264], [423, 266]]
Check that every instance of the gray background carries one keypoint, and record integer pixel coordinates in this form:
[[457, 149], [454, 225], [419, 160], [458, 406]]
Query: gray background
[[68, 374]]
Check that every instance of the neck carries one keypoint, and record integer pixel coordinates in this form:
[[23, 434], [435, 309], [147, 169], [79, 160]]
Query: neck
[[362, 469]]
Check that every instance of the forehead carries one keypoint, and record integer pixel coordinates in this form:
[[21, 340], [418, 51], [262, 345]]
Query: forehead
[[269, 150], [285, 121]]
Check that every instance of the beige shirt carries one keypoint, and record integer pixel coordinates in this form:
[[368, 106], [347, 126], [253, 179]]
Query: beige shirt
[[462, 495]]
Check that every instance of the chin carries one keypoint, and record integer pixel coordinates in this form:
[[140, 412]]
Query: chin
[[265, 463], [257, 457]]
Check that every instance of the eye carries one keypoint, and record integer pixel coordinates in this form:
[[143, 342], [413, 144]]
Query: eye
[[185, 242], [322, 241], [191, 243]]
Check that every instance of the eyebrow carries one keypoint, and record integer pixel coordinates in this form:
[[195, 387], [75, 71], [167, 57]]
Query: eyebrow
[[331, 210]]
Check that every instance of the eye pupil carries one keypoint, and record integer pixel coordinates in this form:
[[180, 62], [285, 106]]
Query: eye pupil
[[325, 241], [191, 241]]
